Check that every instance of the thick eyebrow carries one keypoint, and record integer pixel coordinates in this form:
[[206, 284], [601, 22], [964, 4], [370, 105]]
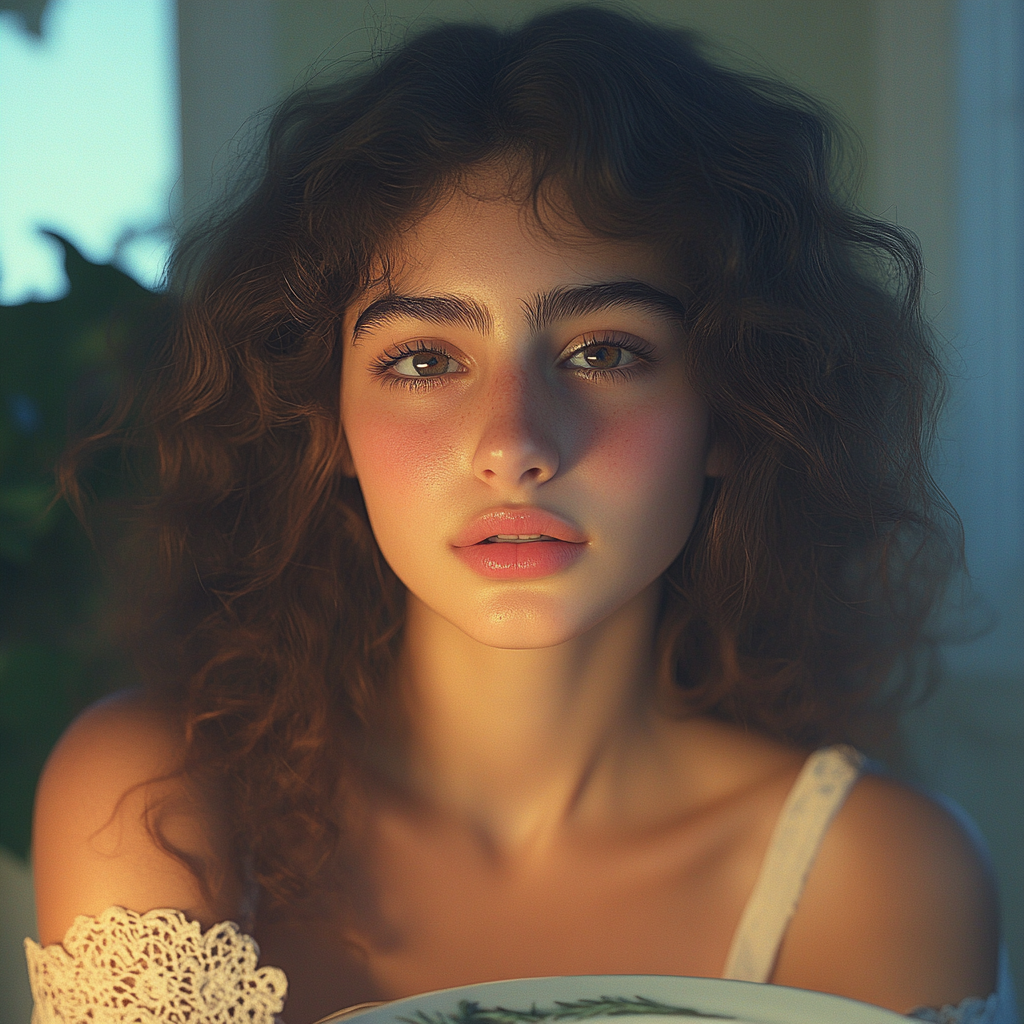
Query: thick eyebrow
[[567, 303], [541, 311], [434, 309]]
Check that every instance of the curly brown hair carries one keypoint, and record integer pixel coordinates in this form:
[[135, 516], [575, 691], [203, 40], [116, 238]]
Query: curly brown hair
[[264, 610]]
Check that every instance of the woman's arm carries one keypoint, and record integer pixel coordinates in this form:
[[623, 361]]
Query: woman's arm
[[900, 909], [91, 848]]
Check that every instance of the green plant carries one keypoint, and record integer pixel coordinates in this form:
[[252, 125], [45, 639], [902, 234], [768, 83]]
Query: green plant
[[56, 656]]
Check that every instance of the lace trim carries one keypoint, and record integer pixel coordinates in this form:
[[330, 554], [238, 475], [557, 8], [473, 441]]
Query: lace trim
[[971, 1011], [155, 968]]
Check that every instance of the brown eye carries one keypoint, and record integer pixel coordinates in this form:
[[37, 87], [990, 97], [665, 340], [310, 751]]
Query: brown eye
[[601, 356], [427, 363]]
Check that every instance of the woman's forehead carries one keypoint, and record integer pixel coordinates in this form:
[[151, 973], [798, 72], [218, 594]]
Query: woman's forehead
[[482, 231]]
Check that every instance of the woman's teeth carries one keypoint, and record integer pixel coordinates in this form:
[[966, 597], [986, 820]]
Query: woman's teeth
[[517, 538]]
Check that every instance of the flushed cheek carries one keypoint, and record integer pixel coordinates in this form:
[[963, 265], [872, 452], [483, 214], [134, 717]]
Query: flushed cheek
[[404, 465], [653, 450]]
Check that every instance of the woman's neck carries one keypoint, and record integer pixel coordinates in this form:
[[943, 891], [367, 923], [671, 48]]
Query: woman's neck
[[517, 744]]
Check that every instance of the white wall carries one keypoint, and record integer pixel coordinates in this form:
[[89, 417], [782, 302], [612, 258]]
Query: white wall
[[228, 73]]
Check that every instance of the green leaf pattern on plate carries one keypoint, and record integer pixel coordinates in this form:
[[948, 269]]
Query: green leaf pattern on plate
[[580, 1009]]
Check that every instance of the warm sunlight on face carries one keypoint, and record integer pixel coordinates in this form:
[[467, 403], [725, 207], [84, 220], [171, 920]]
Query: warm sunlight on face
[[519, 419]]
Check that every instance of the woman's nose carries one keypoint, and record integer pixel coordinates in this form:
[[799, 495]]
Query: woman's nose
[[516, 444]]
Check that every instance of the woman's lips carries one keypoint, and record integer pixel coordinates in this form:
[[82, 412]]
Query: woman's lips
[[521, 521], [523, 560], [559, 544]]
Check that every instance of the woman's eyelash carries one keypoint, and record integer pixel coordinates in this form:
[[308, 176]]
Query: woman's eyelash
[[644, 353], [644, 357], [381, 366]]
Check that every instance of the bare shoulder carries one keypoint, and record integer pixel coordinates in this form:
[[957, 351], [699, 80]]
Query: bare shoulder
[[728, 758], [108, 783], [900, 908]]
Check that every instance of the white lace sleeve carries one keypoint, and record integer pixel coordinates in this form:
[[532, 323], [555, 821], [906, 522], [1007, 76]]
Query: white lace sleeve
[[153, 968]]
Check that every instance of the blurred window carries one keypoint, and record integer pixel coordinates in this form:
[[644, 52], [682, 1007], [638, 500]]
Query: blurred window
[[89, 140]]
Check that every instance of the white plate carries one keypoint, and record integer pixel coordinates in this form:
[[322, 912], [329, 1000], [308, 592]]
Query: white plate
[[616, 998]]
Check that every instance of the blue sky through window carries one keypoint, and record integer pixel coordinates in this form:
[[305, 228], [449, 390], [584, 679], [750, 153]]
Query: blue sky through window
[[89, 141]]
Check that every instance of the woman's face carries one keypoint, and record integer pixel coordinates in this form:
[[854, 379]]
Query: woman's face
[[507, 385]]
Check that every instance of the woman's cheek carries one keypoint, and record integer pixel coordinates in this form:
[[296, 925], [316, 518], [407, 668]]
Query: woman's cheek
[[401, 462], [652, 449]]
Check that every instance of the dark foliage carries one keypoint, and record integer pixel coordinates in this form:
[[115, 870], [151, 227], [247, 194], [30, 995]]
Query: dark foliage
[[56, 654]]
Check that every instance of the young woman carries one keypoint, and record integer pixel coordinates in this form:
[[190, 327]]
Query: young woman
[[538, 483]]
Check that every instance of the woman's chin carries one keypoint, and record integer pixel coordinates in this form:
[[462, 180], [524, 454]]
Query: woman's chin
[[517, 629], [526, 621]]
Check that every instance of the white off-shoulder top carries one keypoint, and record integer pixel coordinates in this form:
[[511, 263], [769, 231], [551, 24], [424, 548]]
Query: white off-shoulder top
[[160, 968]]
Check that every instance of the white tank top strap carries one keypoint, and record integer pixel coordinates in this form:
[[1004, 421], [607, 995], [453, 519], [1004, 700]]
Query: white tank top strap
[[819, 791]]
